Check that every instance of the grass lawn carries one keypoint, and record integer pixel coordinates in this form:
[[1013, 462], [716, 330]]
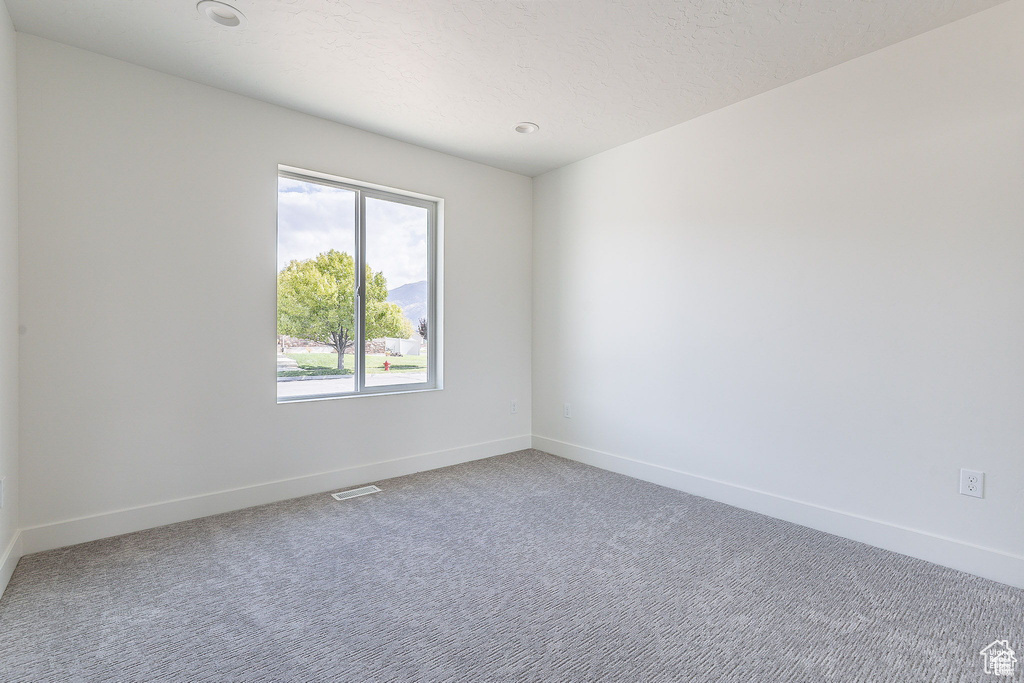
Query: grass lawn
[[327, 364]]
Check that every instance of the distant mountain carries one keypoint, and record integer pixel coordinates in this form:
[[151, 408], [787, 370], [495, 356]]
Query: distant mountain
[[413, 300]]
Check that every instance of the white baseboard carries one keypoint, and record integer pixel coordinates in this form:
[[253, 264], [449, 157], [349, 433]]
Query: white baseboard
[[985, 562], [980, 561], [79, 530], [9, 560]]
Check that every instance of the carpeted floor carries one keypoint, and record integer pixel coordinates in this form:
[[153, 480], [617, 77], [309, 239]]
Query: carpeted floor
[[523, 567]]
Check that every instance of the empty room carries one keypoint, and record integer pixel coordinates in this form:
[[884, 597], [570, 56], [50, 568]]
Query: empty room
[[511, 340]]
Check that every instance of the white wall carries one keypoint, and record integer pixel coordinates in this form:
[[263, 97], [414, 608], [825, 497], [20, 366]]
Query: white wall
[[815, 294], [9, 551], [148, 213]]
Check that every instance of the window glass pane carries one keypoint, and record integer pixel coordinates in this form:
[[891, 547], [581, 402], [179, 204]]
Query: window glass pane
[[316, 238], [397, 292]]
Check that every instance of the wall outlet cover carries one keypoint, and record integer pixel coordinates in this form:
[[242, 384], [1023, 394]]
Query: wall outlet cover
[[972, 483]]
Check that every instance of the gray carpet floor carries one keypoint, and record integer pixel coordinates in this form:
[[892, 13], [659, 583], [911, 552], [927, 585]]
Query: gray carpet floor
[[523, 567]]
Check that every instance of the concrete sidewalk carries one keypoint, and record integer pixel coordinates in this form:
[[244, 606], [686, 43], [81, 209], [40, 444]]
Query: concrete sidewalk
[[327, 386]]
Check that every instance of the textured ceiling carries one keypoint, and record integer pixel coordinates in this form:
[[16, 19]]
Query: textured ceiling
[[456, 75]]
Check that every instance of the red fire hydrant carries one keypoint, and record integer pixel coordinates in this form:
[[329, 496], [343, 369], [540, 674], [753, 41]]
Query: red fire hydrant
[[387, 364]]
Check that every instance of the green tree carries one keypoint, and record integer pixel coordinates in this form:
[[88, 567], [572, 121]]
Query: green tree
[[316, 300]]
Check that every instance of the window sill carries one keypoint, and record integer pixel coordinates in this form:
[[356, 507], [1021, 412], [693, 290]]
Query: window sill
[[365, 394]]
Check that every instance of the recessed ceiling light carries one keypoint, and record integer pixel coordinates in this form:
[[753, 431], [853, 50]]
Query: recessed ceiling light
[[526, 128], [221, 13]]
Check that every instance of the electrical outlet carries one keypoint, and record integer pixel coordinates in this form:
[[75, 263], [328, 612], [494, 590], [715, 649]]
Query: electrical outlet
[[513, 407], [566, 411], [972, 483]]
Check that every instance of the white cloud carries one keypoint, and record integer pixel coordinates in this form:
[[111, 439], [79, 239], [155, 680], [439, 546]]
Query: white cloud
[[396, 241], [314, 218]]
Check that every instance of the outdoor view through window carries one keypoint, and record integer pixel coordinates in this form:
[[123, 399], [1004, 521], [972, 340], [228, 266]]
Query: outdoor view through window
[[355, 295]]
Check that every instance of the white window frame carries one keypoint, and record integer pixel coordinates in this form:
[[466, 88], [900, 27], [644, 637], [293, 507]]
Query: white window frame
[[434, 207]]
